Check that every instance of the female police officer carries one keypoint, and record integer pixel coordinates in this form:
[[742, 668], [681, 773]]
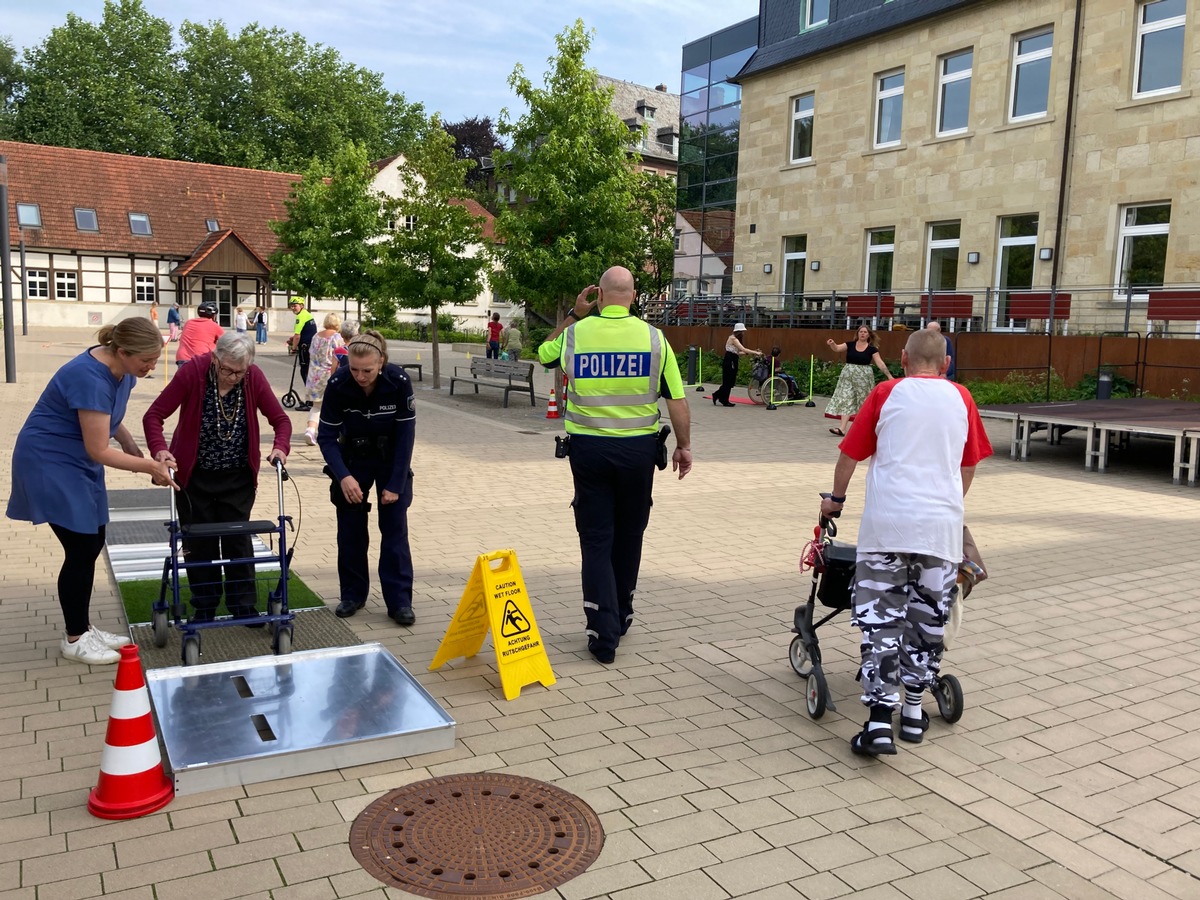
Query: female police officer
[[366, 436]]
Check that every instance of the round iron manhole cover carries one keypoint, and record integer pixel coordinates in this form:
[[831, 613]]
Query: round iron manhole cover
[[478, 835]]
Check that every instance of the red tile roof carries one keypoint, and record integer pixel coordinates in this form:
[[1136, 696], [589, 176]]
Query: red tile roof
[[177, 196]]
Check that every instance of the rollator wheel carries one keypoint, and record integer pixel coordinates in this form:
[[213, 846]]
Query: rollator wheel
[[798, 656], [815, 696], [158, 621], [274, 608], [191, 650], [948, 693], [288, 400], [283, 641]]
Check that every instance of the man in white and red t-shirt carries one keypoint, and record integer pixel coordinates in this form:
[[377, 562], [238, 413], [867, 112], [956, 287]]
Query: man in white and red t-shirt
[[924, 436]]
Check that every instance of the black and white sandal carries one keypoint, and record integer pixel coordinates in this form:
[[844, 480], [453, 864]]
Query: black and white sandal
[[912, 729], [877, 742]]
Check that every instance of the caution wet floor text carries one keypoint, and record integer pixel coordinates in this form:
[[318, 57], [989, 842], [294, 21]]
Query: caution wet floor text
[[495, 599]]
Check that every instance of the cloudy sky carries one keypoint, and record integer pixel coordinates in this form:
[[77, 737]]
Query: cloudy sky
[[455, 56]]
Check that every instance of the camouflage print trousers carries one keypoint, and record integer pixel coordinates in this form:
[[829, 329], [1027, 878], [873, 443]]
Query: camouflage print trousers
[[901, 603]]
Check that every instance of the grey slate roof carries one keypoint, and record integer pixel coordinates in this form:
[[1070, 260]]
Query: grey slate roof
[[780, 42]]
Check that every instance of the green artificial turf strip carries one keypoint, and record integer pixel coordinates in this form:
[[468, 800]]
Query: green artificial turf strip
[[139, 596]]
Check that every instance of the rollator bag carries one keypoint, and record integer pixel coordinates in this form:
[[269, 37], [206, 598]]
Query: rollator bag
[[837, 576]]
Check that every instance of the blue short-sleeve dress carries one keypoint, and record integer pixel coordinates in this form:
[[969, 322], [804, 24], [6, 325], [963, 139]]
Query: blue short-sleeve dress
[[53, 478]]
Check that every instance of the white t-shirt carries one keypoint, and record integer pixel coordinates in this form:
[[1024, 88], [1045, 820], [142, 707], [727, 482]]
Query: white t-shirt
[[918, 432], [239, 321]]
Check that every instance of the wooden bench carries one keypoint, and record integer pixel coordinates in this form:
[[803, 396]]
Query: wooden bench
[[505, 374]]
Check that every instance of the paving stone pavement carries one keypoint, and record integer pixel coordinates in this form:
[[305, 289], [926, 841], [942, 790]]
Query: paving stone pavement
[[1073, 773]]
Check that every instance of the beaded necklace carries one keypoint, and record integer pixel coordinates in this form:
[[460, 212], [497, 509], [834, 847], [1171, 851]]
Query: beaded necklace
[[230, 429]]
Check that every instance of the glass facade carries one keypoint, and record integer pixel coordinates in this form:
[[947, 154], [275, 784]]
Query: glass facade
[[710, 121]]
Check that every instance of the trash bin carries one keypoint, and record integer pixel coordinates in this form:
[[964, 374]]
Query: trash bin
[[1104, 386]]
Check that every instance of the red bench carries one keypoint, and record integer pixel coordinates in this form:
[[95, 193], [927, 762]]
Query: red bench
[[947, 306], [870, 306], [1038, 306], [1168, 305]]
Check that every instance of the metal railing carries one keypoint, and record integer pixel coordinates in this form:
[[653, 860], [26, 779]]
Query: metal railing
[[1166, 311]]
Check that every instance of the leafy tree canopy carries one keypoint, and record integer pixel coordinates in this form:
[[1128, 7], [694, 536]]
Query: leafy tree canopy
[[333, 216], [106, 86], [570, 161], [656, 202], [432, 257], [263, 98], [10, 77]]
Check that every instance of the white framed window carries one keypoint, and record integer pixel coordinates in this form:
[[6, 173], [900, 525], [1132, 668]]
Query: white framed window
[[211, 225], [1030, 88], [954, 92], [795, 254], [29, 215], [816, 12], [1016, 259], [678, 239], [37, 284], [66, 286], [802, 127], [889, 108], [881, 253], [139, 223], [144, 289], [1142, 247], [1159, 65], [85, 219], [941, 259]]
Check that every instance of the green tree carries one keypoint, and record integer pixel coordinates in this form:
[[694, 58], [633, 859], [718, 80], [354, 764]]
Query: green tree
[[570, 160], [10, 80], [333, 216], [656, 203], [110, 86], [433, 256], [269, 99]]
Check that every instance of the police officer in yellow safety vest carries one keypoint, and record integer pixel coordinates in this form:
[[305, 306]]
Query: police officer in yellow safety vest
[[618, 366]]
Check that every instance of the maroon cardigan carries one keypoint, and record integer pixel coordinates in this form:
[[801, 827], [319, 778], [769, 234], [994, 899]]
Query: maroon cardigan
[[186, 394]]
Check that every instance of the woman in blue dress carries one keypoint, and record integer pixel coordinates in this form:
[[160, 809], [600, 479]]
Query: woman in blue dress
[[58, 467]]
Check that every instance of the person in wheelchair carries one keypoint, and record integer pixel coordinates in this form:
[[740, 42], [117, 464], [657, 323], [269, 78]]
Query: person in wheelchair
[[775, 364]]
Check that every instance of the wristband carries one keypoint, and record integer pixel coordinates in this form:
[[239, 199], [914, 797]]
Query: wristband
[[836, 499]]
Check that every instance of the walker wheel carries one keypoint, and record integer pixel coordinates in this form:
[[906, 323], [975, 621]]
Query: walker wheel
[[283, 640], [948, 693], [158, 621], [274, 608], [815, 696], [798, 656], [191, 650], [288, 400]]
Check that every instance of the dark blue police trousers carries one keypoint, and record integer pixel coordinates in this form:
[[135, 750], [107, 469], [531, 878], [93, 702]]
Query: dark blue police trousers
[[353, 539]]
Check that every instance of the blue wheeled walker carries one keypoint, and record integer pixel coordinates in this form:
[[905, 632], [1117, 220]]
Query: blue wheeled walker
[[174, 595], [833, 565]]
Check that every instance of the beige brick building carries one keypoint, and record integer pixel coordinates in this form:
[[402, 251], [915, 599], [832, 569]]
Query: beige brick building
[[975, 148]]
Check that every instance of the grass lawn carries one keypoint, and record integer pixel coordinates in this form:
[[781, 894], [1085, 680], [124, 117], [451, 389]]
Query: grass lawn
[[139, 596]]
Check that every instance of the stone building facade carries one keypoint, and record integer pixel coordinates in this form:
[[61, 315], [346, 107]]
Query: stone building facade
[[972, 147]]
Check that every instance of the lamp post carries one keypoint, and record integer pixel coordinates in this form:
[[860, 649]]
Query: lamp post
[[10, 354]]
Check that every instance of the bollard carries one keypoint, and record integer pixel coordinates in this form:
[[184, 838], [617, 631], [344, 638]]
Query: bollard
[[1104, 386], [692, 358]]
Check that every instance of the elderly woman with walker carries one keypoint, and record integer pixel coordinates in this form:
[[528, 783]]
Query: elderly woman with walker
[[215, 453]]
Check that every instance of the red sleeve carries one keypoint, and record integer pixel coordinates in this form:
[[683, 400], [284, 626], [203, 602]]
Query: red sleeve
[[859, 442], [978, 447]]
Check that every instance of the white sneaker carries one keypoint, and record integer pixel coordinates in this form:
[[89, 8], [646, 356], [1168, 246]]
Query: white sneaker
[[108, 639], [310, 437], [88, 649]]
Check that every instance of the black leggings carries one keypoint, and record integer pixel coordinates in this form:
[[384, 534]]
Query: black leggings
[[77, 575]]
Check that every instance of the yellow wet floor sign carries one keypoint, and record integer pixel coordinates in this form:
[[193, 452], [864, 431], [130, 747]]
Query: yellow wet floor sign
[[495, 598]]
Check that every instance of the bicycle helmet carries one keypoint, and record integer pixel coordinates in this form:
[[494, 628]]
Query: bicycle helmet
[[207, 310]]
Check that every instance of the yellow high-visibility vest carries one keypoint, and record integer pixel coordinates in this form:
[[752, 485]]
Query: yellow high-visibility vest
[[614, 366]]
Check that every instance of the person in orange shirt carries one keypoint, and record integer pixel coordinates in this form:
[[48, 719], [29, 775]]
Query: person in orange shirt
[[200, 334]]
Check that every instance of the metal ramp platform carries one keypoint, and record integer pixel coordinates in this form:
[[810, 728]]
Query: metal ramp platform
[[234, 723]]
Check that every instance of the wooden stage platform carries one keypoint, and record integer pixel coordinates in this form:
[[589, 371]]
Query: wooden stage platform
[[1103, 420]]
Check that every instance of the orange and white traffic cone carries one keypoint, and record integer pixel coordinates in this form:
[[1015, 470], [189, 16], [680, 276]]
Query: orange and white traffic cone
[[552, 409], [132, 782]]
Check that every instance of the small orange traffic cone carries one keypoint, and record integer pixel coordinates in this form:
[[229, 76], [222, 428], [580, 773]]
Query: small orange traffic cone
[[132, 782], [552, 409]]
